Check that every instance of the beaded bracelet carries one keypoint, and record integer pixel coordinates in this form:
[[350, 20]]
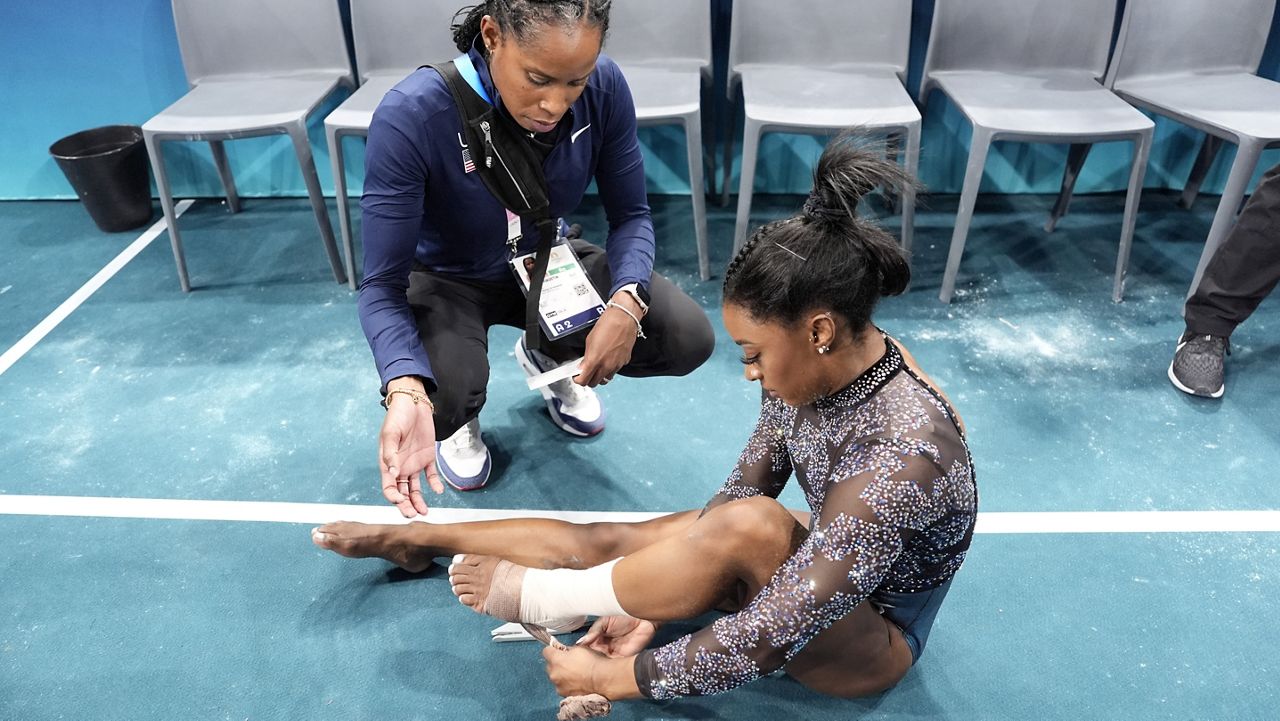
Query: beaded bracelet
[[624, 309], [417, 396]]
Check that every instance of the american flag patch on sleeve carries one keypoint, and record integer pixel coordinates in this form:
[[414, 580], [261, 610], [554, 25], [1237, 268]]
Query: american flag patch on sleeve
[[467, 165]]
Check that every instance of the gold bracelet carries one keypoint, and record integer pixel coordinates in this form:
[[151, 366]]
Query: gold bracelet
[[417, 396]]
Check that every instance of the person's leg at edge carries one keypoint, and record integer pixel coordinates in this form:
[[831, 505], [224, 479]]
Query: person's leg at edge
[[1245, 268], [1243, 271]]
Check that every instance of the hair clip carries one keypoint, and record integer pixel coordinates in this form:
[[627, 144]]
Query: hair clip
[[801, 257]]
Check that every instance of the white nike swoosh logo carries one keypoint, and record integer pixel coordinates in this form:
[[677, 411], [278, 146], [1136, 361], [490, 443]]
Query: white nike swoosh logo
[[574, 138]]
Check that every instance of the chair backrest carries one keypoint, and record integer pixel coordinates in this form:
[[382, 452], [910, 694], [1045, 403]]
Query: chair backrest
[[393, 36], [670, 32], [230, 38], [1165, 37], [831, 34], [1019, 36]]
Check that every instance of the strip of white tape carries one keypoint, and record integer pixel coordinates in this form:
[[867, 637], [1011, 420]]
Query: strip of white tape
[[566, 370], [59, 314], [993, 522]]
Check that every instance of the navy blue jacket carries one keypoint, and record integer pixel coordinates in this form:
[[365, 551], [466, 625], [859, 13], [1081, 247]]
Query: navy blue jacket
[[421, 203]]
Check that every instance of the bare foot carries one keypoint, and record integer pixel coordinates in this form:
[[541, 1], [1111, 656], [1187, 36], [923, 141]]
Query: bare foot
[[360, 540], [488, 585]]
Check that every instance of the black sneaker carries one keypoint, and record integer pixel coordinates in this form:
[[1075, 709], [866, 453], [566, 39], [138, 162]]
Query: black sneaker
[[1197, 366]]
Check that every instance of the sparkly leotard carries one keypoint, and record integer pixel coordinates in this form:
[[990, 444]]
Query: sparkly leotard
[[889, 479]]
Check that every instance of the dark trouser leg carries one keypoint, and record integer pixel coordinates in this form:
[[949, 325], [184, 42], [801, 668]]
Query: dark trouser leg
[[1245, 268], [678, 336], [453, 318]]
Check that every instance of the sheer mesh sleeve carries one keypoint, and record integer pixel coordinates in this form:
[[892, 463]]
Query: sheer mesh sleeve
[[884, 494], [764, 466]]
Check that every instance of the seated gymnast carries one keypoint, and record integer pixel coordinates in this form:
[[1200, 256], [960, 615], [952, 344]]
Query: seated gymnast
[[840, 597]]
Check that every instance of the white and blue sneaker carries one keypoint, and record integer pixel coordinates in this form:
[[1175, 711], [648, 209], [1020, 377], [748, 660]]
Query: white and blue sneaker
[[463, 458], [574, 409]]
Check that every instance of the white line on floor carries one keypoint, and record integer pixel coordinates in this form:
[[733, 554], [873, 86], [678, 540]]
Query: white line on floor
[[69, 305], [993, 522]]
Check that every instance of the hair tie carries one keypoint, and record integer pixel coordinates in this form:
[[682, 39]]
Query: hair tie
[[815, 210]]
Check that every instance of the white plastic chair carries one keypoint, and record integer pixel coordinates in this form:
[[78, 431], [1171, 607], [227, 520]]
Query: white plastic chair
[[1196, 62], [819, 66], [1029, 71], [664, 50], [254, 69], [392, 38]]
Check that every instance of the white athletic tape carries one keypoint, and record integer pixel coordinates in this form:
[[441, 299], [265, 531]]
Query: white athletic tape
[[566, 370]]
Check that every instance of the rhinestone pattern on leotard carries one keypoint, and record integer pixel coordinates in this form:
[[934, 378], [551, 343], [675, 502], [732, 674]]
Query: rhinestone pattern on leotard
[[888, 477]]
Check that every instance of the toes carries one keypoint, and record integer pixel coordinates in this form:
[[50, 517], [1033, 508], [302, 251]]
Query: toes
[[333, 527], [329, 535], [462, 568]]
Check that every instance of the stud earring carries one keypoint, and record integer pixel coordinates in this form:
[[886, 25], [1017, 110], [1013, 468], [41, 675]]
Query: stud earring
[[823, 349]]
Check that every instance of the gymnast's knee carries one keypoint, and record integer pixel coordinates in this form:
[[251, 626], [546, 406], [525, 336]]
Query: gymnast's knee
[[756, 523]]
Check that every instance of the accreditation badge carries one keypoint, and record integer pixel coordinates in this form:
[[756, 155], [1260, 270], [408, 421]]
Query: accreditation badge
[[569, 301]]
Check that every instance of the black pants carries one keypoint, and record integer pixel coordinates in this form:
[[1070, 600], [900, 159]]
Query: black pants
[[1244, 269], [454, 316]]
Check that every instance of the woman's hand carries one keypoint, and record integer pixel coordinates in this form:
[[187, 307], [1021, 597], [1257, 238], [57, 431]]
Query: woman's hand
[[618, 636], [578, 671], [610, 342], [406, 448]]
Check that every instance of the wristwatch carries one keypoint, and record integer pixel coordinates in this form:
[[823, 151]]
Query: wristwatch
[[640, 293]]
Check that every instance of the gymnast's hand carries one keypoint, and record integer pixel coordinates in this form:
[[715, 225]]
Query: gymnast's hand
[[578, 671], [617, 636], [609, 343], [571, 670], [407, 447]]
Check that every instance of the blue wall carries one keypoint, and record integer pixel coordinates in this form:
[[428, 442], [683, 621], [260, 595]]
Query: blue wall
[[75, 64]]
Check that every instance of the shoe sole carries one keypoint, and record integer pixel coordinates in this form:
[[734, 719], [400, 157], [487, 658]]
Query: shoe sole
[[550, 398], [445, 472], [1178, 384]]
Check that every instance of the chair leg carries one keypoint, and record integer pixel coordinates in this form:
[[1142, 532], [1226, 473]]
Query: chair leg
[[707, 122], [727, 165], [302, 146], [978, 149], [908, 198], [224, 173], [693, 140], [1237, 181], [1075, 160], [166, 204], [338, 164], [1209, 149], [893, 149], [750, 146], [1141, 149]]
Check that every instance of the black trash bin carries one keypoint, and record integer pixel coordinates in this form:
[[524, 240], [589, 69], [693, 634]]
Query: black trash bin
[[108, 169]]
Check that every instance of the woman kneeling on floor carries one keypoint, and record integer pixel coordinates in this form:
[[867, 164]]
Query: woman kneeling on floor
[[842, 597]]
